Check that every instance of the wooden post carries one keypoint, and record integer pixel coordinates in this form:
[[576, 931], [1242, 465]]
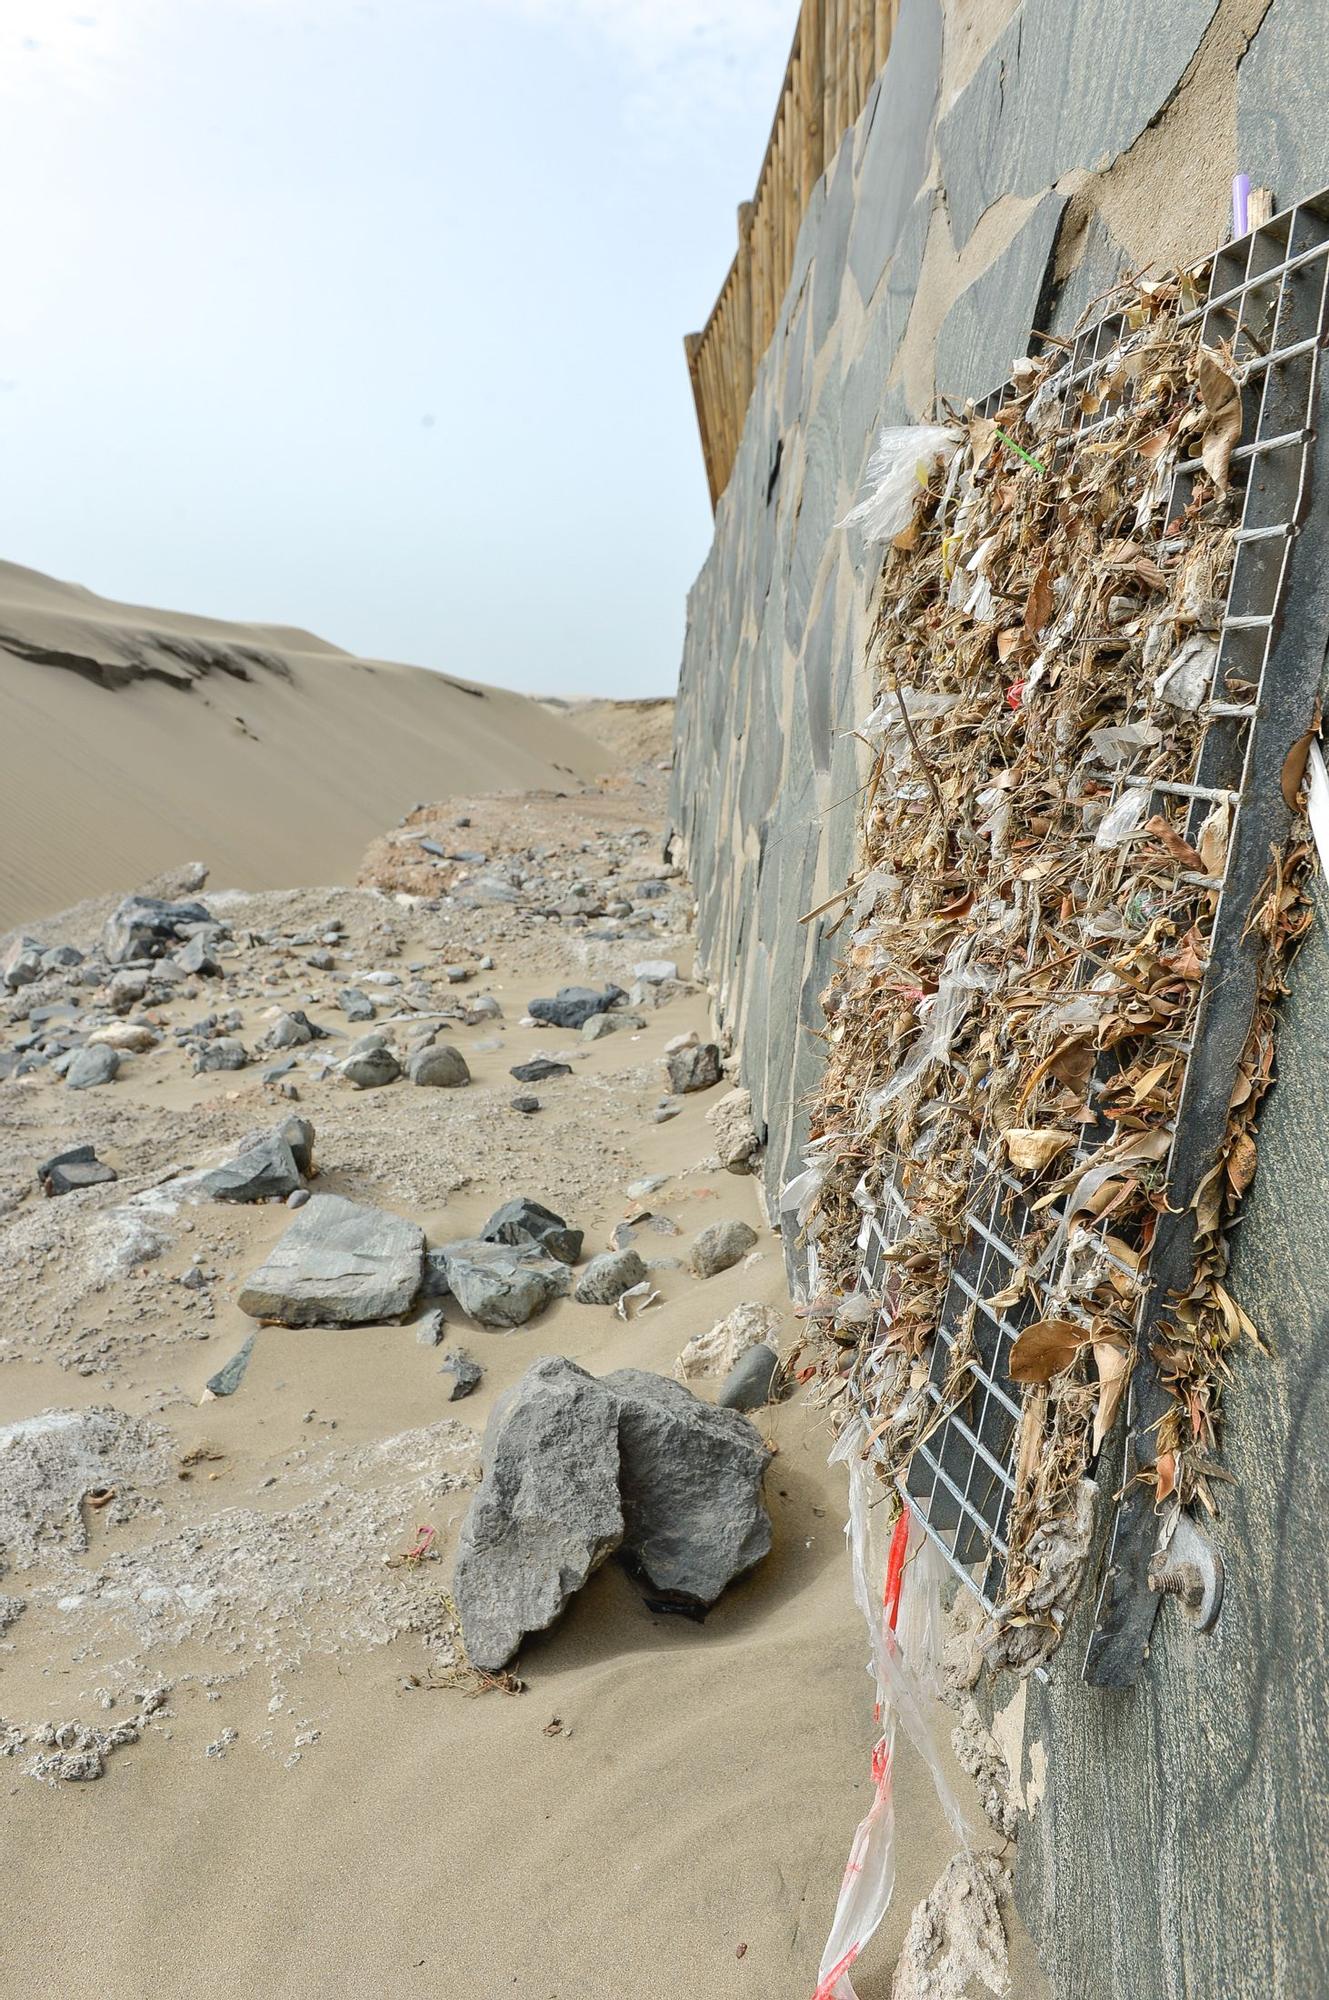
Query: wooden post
[[811, 156], [692, 348], [744, 306], [883, 28]]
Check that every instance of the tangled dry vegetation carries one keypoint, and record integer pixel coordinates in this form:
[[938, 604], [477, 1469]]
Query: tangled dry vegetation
[[1029, 929]]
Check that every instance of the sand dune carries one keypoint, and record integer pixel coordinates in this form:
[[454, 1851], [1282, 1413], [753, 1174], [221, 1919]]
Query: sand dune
[[132, 740]]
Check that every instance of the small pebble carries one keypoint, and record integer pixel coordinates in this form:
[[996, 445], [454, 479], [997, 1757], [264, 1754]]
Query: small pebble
[[297, 1198]]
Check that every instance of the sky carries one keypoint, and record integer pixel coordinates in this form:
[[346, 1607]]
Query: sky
[[367, 315]]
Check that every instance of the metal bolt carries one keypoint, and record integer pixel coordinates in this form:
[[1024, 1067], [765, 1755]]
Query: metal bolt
[[1191, 1570]]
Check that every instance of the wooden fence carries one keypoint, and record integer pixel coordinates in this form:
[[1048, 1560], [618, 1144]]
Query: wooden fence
[[839, 47]]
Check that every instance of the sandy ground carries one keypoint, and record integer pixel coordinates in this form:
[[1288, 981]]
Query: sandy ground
[[667, 1807], [133, 739]]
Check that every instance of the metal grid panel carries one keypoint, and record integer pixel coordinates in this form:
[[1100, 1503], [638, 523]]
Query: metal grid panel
[[1267, 298]]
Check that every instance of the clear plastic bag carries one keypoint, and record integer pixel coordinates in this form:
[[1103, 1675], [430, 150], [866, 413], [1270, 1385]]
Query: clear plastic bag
[[900, 466], [897, 1587]]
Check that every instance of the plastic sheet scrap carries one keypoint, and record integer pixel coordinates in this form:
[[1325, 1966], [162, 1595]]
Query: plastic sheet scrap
[[897, 1586], [901, 463]]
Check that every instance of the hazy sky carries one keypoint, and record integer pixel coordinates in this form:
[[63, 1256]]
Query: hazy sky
[[367, 315]]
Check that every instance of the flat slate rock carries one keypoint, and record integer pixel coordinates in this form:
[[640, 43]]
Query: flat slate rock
[[263, 1171], [78, 1168], [1064, 87], [539, 1069], [991, 322], [690, 1482], [546, 1512], [340, 1263], [529, 1222], [230, 1375]]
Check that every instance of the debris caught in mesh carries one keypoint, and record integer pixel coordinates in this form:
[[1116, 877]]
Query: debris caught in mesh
[[1026, 939]]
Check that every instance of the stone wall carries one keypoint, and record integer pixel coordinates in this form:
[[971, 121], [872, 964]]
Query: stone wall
[[1011, 161]]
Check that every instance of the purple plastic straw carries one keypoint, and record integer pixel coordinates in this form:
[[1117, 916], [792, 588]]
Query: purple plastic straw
[[1241, 195]]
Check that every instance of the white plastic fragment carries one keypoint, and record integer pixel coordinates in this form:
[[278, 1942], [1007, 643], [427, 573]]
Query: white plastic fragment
[[1318, 802], [1123, 818], [899, 468]]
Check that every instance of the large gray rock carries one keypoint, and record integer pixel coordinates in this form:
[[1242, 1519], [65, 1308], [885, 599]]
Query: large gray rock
[[22, 963], [573, 1005], [720, 1247], [546, 1512], [224, 1053], [263, 1170], [690, 1480], [370, 1068], [499, 1285], [440, 1066], [747, 1386], [737, 1140], [529, 1222], [78, 1168], [694, 1068], [339, 1264], [608, 1276], [146, 927], [92, 1066]]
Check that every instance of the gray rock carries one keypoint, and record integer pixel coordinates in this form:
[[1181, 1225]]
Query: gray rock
[[720, 1247], [91, 1067], [127, 988], [539, 1069], [339, 1264], [655, 971], [430, 1328], [526, 1105], [991, 321], [608, 1276], [572, 1005], [297, 1197], [609, 1024], [747, 1386], [355, 1005], [697, 1068], [229, 1377], [371, 1068], [737, 1141], [290, 1031], [528, 1222], [322, 961], [690, 1483], [78, 1168], [434, 1280], [484, 1007], [440, 1066], [146, 927], [261, 1172], [500, 1285], [22, 963], [467, 1374], [224, 1053], [546, 1512], [299, 1136], [197, 957]]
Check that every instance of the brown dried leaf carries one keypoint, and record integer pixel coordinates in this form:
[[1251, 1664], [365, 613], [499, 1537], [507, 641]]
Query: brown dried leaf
[[1222, 402], [1294, 770], [1241, 1162], [1045, 1348], [1039, 605], [1180, 850], [1165, 1475]]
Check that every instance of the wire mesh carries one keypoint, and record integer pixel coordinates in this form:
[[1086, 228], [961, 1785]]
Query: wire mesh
[[1266, 302]]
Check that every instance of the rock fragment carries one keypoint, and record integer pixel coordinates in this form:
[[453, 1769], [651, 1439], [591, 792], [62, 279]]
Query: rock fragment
[[78, 1168], [439, 1066], [524, 1221], [546, 1512], [499, 1285], [608, 1276], [539, 1069], [340, 1263], [720, 1247], [736, 1138], [466, 1374], [573, 1005], [693, 1068], [92, 1067]]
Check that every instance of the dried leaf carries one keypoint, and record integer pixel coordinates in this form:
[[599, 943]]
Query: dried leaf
[[1294, 770], [1180, 850], [1039, 604], [1165, 1475], [1029, 1151], [1114, 1367], [1045, 1348], [1241, 1162], [1222, 402]]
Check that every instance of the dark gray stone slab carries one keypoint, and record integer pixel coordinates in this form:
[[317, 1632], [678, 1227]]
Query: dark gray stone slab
[[1206, 1873], [1062, 86], [340, 1263], [833, 242], [1282, 132], [990, 323], [1102, 261], [898, 144]]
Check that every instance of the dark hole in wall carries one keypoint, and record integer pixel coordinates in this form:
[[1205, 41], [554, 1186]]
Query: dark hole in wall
[[774, 473]]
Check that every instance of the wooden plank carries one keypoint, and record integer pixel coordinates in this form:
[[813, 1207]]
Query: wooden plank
[[692, 349], [811, 156]]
